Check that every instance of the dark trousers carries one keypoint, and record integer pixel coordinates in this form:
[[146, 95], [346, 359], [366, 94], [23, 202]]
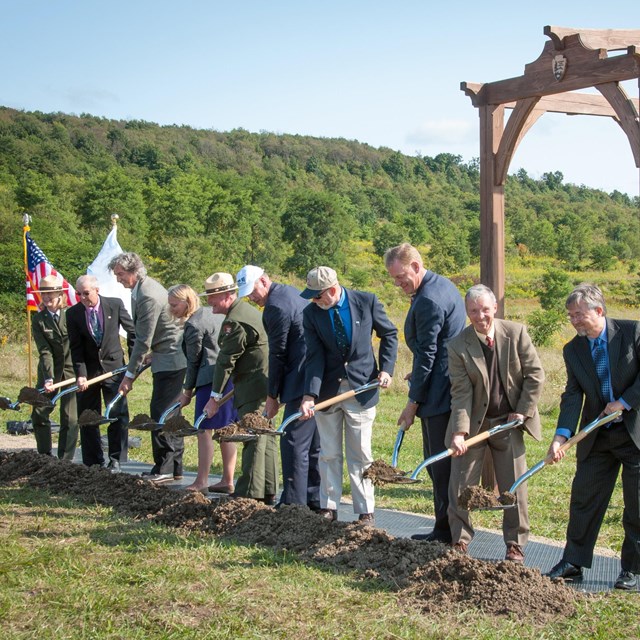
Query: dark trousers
[[68, 436], [434, 430], [591, 491], [167, 449], [117, 432], [259, 476], [299, 454]]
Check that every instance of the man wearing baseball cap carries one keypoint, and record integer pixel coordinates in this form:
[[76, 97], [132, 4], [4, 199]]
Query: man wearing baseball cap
[[300, 442], [337, 330], [243, 358]]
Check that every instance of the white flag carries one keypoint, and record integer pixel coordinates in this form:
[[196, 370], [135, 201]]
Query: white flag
[[109, 286]]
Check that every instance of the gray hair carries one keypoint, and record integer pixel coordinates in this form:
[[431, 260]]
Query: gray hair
[[91, 281], [589, 294], [130, 262], [477, 291]]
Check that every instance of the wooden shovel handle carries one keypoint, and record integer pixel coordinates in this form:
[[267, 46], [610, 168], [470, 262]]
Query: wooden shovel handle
[[102, 377], [339, 398], [62, 383], [226, 397]]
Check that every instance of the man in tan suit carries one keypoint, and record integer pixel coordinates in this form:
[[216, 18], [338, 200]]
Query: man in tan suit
[[496, 377]]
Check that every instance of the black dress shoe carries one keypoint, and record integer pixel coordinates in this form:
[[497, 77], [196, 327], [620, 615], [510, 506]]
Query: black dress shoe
[[626, 581], [434, 536], [270, 499], [566, 571]]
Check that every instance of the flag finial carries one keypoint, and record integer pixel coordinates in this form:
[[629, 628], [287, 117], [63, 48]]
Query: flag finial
[[114, 219]]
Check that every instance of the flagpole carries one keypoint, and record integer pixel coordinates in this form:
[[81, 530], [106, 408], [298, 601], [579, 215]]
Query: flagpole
[[26, 218]]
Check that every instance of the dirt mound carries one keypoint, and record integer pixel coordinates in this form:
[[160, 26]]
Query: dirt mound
[[177, 425], [141, 420], [476, 497], [381, 473], [430, 574], [89, 417], [29, 395]]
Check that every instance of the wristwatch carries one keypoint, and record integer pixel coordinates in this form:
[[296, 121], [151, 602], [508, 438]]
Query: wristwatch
[[216, 396]]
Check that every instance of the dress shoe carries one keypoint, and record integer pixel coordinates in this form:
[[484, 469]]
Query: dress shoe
[[515, 553], [367, 519], [434, 536], [565, 570], [178, 477], [158, 478], [328, 514], [626, 581], [314, 506], [114, 466], [460, 546], [270, 499]]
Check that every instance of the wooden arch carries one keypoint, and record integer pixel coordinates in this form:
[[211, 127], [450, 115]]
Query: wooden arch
[[572, 59]]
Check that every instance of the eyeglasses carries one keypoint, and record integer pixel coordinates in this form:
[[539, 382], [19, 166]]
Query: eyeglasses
[[320, 294]]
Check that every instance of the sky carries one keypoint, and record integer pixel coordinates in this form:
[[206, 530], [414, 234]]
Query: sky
[[386, 73]]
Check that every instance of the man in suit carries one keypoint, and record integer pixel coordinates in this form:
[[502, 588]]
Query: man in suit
[[49, 331], [158, 338], [243, 358], [436, 315], [496, 377], [337, 331], [300, 443], [603, 376], [94, 324]]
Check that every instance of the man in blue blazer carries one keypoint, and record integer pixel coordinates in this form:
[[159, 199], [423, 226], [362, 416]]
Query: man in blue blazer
[[603, 376], [282, 320], [337, 331], [436, 315]]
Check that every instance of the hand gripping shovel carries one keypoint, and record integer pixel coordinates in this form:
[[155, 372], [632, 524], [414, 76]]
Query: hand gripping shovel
[[34, 397], [89, 417], [99, 378], [508, 500], [178, 426]]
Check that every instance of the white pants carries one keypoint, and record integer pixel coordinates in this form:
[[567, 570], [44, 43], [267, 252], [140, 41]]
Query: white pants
[[357, 423]]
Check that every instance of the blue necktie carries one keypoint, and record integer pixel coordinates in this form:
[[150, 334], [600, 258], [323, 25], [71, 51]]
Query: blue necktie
[[95, 326], [602, 368], [341, 335]]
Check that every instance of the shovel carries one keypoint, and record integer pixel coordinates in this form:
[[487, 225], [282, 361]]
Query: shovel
[[99, 378], [581, 435], [6, 404], [329, 402], [188, 430], [36, 397]]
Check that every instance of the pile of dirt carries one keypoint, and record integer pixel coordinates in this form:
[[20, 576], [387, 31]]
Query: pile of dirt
[[177, 425], [29, 395], [88, 418], [381, 473], [251, 424], [476, 497], [142, 421], [431, 575]]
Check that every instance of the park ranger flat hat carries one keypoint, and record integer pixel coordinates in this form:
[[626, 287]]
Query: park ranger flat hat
[[219, 282], [50, 284]]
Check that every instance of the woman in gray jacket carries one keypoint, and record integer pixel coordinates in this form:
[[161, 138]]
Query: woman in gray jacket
[[200, 345]]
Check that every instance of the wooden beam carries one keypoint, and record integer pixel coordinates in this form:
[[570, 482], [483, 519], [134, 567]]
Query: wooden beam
[[584, 68], [609, 39], [627, 115]]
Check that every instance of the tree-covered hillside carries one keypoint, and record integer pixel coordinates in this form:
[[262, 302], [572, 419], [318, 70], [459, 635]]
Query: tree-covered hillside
[[192, 202]]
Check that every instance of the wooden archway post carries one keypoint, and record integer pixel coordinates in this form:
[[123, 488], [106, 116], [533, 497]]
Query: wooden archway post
[[572, 59]]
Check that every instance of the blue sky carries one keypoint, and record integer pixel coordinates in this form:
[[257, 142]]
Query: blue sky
[[386, 73]]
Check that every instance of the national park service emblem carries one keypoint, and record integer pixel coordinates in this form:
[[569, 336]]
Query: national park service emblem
[[559, 65]]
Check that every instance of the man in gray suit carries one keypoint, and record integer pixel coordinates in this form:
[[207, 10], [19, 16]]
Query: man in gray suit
[[435, 316], [158, 334], [603, 376], [496, 377]]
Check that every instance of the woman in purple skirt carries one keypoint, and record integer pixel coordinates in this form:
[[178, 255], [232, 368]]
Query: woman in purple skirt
[[200, 344]]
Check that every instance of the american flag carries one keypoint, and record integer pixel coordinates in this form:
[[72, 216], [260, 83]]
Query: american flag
[[38, 266]]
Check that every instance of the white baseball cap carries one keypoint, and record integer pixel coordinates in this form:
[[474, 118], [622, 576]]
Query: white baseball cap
[[246, 279]]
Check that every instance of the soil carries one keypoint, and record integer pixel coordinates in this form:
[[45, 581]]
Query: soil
[[176, 425], [88, 418], [477, 497], [428, 575], [143, 421], [381, 473], [29, 395], [250, 424]]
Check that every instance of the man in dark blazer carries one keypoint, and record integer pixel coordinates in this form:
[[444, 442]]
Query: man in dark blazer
[[96, 349], [282, 320], [496, 377], [337, 330], [603, 376], [158, 338], [49, 330], [436, 315]]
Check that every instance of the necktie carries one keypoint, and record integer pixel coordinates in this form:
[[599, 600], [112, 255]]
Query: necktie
[[95, 326], [341, 335], [56, 318], [490, 342], [602, 368]]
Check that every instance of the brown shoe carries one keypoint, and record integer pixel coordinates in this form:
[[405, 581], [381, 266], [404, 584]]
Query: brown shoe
[[514, 553], [328, 514], [461, 547], [367, 519]]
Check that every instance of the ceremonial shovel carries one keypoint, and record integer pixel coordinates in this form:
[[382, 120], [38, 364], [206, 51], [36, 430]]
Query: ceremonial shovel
[[581, 435], [32, 396]]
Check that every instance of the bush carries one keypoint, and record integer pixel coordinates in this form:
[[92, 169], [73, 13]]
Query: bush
[[544, 324]]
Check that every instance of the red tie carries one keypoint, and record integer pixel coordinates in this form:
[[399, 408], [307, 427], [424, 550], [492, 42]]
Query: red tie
[[490, 342]]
